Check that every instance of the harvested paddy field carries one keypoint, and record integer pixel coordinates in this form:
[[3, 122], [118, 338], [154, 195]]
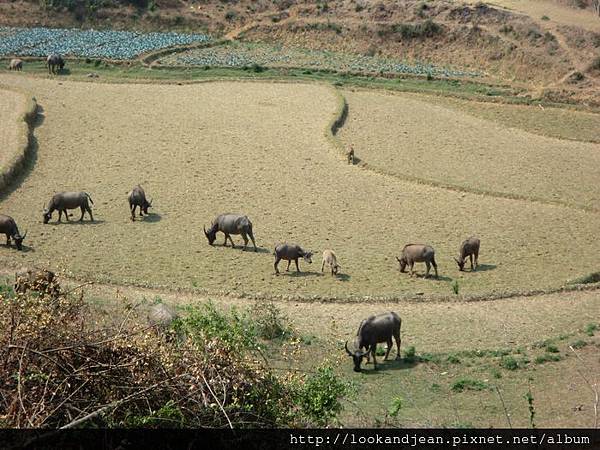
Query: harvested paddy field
[[445, 144], [260, 148], [11, 110]]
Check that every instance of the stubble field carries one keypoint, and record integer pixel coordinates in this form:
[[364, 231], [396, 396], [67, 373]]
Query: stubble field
[[260, 149]]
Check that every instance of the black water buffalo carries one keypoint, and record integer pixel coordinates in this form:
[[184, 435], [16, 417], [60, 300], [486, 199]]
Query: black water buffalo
[[373, 330], [470, 248], [53, 61], [69, 200], [413, 253], [290, 252], [229, 224], [137, 197], [8, 226]]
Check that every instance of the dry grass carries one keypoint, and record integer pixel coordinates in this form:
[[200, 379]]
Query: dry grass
[[405, 136], [259, 148], [11, 110]]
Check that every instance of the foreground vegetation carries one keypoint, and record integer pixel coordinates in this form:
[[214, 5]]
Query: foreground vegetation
[[66, 367]]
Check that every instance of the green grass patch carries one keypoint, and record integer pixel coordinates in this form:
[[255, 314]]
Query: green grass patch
[[468, 384], [547, 357], [579, 344]]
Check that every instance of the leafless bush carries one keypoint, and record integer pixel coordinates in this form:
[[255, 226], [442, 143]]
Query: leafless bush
[[59, 370]]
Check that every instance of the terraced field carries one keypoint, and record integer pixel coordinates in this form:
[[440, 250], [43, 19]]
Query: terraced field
[[248, 55], [260, 148], [425, 140], [11, 107]]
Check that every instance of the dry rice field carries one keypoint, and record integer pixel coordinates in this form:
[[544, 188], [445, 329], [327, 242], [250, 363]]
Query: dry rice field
[[11, 108], [260, 148], [405, 136]]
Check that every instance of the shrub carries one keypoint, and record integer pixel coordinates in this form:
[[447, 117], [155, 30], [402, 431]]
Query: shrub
[[319, 397], [551, 348], [407, 31], [257, 68], [455, 286], [395, 407], [410, 354], [468, 384], [269, 322], [60, 365], [453, 359], [579, 344], [547, 357], [509, 363], [591, 328], [545, 17]]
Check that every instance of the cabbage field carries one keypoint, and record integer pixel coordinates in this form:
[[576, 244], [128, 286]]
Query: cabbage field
[[241, 54], [107, 44]]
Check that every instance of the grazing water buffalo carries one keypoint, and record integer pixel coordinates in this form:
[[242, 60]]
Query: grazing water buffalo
[[69, 200], [137, 197], [8, 226], [53, 61], [15, 64], [330, 259], [470, 248], [290, 252], [229, 224], [413, 253], [372, 331]]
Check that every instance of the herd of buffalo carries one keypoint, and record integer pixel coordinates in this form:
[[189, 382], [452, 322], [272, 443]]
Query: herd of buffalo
[[372, 331]]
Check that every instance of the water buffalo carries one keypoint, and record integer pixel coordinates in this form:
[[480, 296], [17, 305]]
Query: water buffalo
[[413, 253], [8, 226], [69, 200], [229, 224], [470, 248], [372, 331], [15, 64], [290, 252], [330, 259], [53, 61], [137, 197]]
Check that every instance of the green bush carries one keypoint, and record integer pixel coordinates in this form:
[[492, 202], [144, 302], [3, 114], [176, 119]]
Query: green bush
[[319, 397], [207, 322], [468, 384], [509, 363], [578, 344], [591, 328], [547, 357], [410, 354], [407, 31], [269, 322]]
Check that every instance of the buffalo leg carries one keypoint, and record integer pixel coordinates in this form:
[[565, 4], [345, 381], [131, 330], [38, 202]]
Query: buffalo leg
[[322, 266], [476, 259], [132, 210], [412, 270], [434, 264], [225, 243], [428, 264], [82, 213], [297, 267], [7, 239], [471, 259], [277, 259], [288, 266], [389, 348], [398, 342], [60, 215], [231, 240], [245, 238], [253, 242], [373, 351], [89, 210]]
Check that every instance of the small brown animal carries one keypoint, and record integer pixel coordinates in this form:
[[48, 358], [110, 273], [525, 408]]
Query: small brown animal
[[330, 259], [350, 155], [413, 253], [15, 64], [470, 248]]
